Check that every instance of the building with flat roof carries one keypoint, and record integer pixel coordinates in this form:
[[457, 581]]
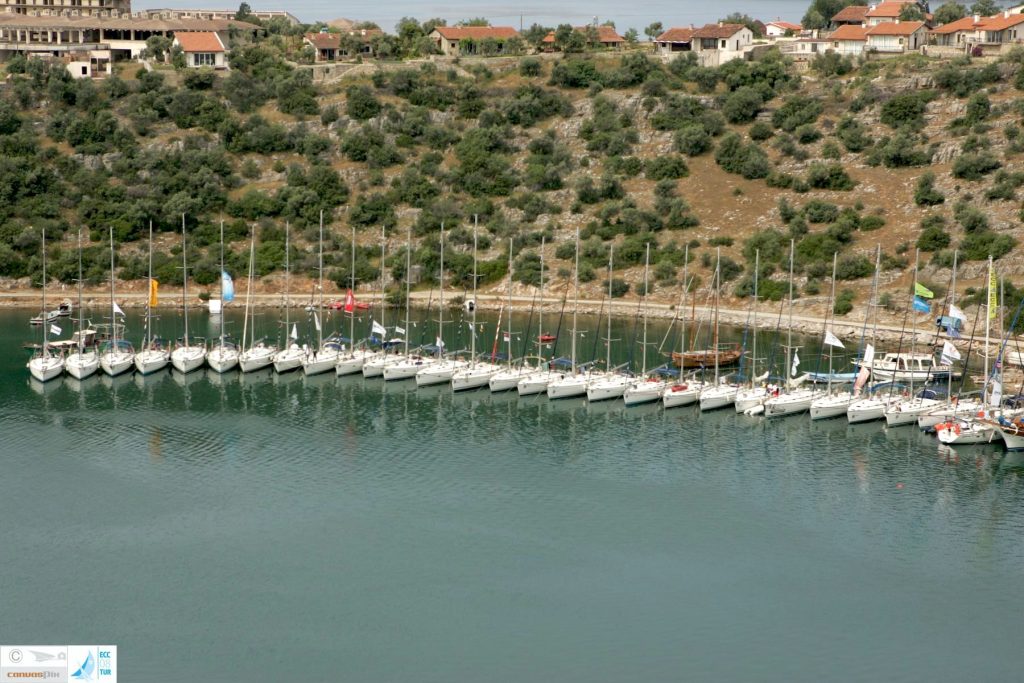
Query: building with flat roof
[[220, 14]]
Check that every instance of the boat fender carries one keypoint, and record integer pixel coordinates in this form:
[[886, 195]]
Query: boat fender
[[956, 429], [754, 410]]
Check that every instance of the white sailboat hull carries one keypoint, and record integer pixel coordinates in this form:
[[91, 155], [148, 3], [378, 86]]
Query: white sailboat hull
[[1014, 440], [644, 391], [507, 380], [607, 388], [567, 387], [352, 363], [679, 395], [222, 359], [835, 405], [186, 359], [715, 397], [151, 360], [82, 365], [439, 373], [948, 412], [474, 377], [289, 359], [745, 400], [538, 383], [319, 362], [45, 368], [116, 363], [403, 368], [374, 367], [868, 409], [967, 432], [906, 412], [256, 358], [790, 404]]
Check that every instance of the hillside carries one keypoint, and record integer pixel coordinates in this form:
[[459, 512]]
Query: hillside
[[629, 150]]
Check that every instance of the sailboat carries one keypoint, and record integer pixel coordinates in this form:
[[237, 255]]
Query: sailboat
[[223, 356], [480, 372], [407, 365], [257, 355], [81, 363], [573, 383], [327, 351], [375, 366], [116, 355], [188, 353], [351, 361], [521, 369], [535, 380], [612, 384], [445, 365], [45, 364], [684, 391], [650, 387], [757, 393], [795, 399], [834, 404], [154, 355], [717, 395], [290, 357], [906, 411]]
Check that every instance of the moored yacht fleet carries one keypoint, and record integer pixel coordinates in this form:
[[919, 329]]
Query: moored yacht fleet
[[902, 387]]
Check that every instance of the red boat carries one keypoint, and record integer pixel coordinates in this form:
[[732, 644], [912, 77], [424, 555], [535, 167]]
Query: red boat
[[547, 338]]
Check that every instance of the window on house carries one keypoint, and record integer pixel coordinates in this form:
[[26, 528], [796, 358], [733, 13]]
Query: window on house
[[835, 44], [85, 71], [203, 59], [723, 44], [901, 41]]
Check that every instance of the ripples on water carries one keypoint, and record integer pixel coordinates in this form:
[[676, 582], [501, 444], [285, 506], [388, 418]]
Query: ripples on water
[[398, 526]]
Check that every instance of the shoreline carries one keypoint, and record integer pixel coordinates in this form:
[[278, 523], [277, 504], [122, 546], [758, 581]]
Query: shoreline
[[808, 325]]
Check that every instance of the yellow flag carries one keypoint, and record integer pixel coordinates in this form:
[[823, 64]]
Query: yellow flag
[[153, 286], [993, 293]]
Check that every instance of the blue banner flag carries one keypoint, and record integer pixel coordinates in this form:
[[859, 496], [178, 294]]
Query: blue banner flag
[[921, 305], [227, 287]]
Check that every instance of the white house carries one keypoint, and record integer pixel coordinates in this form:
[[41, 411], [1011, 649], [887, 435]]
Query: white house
[[848, 39], [675, 40], [460, 40], [720, 43], [201, 48], [959, 33], [897, 36], [778, 29]]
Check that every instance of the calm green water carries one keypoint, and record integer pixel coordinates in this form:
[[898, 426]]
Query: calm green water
[[315, 529]]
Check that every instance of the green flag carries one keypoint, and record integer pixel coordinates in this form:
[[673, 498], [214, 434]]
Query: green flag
[[922, 291]]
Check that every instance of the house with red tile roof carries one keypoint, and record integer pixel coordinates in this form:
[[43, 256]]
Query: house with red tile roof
[[470, 40], [675, 40], [889, 11], [201, 48], [848, 39], [597, 36], [851, 15], [896, 36], [333, 45], [779, 29], [960, 33], [720, 43]]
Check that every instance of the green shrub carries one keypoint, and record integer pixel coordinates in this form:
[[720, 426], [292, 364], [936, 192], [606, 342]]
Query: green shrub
[[849, 267], [742, 105], [906, 110], [853, 134], [529, 67], [692, 140], [844, 302], [619, 288], [925, 193], [761, 131], [746, 159], [818, 211], [667, 167], [934, 236], [974, 166], [971, 218], [796, 110], [806, 134], [829, 177], [980, 245], [361, 104]]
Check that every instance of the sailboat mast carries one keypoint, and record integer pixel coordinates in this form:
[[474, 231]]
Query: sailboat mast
[[440, 309], [952, 302], [408, 268], [540, 311], [248, 288], [320, 286], [718, 286], [509, 326], [789, 339], [287, 282], [222, 302], [383, 323], [81, 314], [753, 357], [184, 274], [472, 332], [647, 263], [113, 311], [913, 323], [352, 313], [682, 310], [608, 341], [832, 312], [45, 316], [988, 317], [576, 299]]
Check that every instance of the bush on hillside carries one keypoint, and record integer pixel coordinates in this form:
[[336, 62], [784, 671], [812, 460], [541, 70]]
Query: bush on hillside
[[925, 193]]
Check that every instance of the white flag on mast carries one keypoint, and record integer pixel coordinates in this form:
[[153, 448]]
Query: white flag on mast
[[117, 310], [399, 330], [869, 355], [377, 328], [833, 340], [440, 343], [949, 354], [295, 331], [316, 321], [54, 329], [796, 363], [955, 312]]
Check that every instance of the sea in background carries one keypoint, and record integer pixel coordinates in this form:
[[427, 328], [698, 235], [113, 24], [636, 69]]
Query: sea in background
[[283, 528], [575, 12]]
